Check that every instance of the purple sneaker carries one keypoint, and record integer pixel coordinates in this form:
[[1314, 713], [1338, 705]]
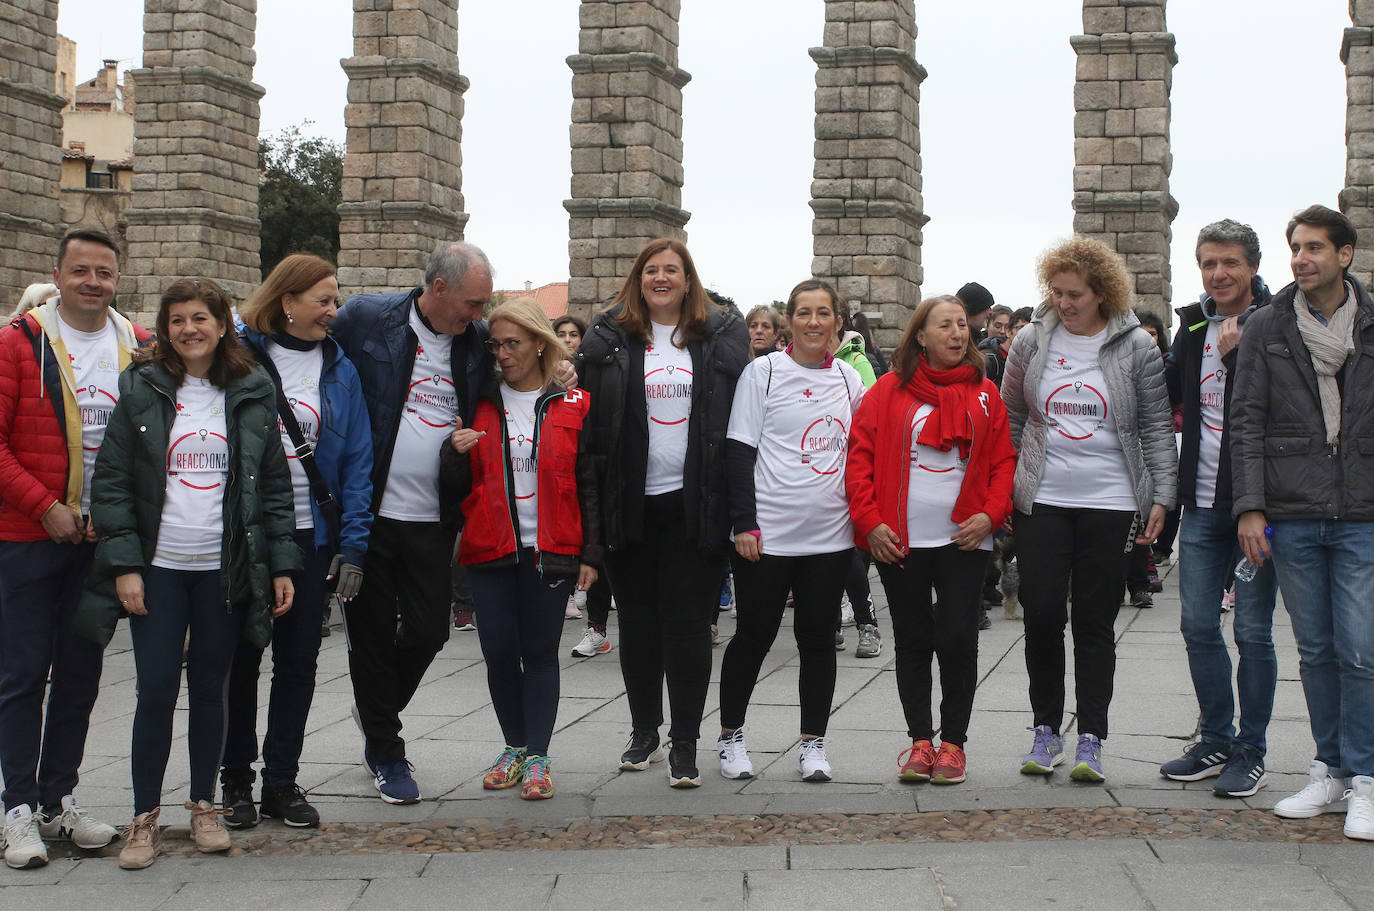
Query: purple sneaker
[[1046, 753], [1088, 764]]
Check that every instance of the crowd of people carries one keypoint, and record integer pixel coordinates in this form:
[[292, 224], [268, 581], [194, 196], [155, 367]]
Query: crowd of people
[[219, 480]]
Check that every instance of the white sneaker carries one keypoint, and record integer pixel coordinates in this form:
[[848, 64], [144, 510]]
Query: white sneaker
[[846, 613], [1359, 808], [593, 643], [734, 755], [1323, 794], [73, 825], [24, 846], [811, 760]]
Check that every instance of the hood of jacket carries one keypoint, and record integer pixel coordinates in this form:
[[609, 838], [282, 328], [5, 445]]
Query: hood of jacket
[[1260, 295]]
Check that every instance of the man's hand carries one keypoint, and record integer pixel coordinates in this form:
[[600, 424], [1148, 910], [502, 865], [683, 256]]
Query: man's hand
[[1228, 335], [62, 524], [1250, 533], [586, 577]]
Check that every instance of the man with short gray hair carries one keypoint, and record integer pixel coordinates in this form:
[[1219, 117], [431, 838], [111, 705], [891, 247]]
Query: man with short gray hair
[[422, 358]]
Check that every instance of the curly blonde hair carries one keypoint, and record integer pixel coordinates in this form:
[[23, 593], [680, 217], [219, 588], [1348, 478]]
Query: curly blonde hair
[[1100, 267]]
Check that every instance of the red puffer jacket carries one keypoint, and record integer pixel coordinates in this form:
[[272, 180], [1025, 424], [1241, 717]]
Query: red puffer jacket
[[40, 430], [878, 465], [568, 533]]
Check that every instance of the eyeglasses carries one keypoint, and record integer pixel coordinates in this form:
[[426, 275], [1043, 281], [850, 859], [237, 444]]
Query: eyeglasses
[[510, 344]]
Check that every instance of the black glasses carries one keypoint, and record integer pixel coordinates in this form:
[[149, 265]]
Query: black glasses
[[510, 344]]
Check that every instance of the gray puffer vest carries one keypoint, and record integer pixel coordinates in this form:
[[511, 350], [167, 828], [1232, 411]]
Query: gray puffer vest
[[1134, 375]]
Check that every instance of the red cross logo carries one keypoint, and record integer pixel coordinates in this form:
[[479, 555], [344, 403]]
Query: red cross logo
[[1061, 362], [1208, 349], [807, 393], [649, 347], [419, 350], [180, 407]]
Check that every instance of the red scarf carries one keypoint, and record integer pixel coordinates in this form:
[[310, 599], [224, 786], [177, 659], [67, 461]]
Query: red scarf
[[948, 423]]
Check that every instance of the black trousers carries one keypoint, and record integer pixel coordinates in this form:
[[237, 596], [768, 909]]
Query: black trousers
[[666, 592], [946, 630], [817, 581], [396, 625], [1079, 553], [599, 603]]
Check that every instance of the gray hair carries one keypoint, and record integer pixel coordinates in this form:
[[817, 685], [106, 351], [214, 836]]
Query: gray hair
[[1227, 231], [451, 261]]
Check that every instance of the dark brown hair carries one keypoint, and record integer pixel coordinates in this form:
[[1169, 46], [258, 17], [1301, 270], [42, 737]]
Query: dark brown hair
[[90, 235], [1340, 230], [634, 313], [909, 350], [298, 273], [232, 360]]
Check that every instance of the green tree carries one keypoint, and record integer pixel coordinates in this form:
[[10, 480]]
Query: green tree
[[298, 195]]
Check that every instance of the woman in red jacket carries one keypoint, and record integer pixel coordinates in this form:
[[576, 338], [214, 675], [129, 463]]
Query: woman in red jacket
[[929, 478], [529, 505]]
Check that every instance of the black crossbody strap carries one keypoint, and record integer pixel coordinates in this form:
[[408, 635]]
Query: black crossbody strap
[[305, 454]]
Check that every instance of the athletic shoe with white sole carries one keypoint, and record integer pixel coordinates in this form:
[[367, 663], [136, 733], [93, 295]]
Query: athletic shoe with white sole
[[70, 823], [1322, 794], [811, 761], [734, 755], [1359, 808], [24, 848], [593, 643]]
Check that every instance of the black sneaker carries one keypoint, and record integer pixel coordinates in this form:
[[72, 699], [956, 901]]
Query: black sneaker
[[682, 764], [1243, 775], [1199, 761], [1142, 599], [642, 749], [985, 622], [239, 811], [290, 806]]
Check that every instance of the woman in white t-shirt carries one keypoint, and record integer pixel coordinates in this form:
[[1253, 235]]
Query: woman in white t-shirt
[[784, 458], [1097, 471], [530, 536], [929, 479], [191, 499]]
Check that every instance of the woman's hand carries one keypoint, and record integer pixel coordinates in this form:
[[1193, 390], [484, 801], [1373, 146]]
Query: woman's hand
[[462, 439], [972, 531], [282, 594], [1154, 526], [749, 546], [586, 577], [129, 588], [884, 544]]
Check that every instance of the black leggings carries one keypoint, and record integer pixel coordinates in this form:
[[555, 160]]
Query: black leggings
[[817, 582], [179, 600], [946, 630], [1076, 554], [599, 604], [666, 592], [857, 588], [521, 613]]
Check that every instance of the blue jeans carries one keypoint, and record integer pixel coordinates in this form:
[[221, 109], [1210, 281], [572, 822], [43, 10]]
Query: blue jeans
[[1209, 553], [1327, 577]]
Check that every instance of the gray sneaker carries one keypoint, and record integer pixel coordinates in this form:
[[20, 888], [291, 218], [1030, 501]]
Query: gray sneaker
[[870, 641]]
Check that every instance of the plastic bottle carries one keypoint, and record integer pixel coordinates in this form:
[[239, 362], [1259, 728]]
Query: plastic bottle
[[1245, 570]]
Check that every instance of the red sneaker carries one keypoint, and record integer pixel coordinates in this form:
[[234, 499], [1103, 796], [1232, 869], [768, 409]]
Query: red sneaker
[[949, 765], [915, 763]]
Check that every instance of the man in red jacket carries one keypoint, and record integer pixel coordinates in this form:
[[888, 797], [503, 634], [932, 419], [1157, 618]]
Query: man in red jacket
[[59, 371]]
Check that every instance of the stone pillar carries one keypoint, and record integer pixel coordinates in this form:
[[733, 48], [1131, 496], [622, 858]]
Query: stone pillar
[[866, 195], [195, 199], [626, 143], [1122, 159], [402, 175], [30, 146], [1357, 199]]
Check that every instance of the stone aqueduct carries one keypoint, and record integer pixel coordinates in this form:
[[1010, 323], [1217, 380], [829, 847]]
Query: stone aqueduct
[[194, 206]]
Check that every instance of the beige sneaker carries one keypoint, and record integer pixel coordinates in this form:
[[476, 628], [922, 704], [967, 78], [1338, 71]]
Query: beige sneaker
[[206, 829], [142, 842]]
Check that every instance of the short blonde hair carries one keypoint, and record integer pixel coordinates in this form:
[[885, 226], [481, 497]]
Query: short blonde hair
[[526, 313], [1100, 267]]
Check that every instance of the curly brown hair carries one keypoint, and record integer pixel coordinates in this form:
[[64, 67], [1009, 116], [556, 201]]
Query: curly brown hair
[[1101, 267]]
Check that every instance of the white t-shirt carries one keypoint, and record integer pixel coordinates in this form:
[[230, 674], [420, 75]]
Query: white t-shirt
[[519, 408], [1212, 399], [1085, 466], [412, 482], [94, 360], [197, 471], [932, 489], [668, 399], [300, 381], [798, 419]]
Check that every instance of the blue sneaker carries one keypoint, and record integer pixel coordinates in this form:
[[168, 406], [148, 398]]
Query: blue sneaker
[[1199, 761], [1046, 752], [395, 782], [1088, 763], [727, 595], [1243, 775]]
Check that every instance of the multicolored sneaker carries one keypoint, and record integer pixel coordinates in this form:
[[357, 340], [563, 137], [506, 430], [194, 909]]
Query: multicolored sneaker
[[538, 783], [1088, 761], [949, 765], [1046, 752], [916, 762], [507, 771]]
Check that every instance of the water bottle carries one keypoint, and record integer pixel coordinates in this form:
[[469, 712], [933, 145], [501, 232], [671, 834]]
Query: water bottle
[[1245, 570]]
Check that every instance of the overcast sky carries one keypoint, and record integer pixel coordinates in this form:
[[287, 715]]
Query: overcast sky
[[1258, 126]]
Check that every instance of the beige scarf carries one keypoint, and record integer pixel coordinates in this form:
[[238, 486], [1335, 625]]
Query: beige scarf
[[1329, 346]]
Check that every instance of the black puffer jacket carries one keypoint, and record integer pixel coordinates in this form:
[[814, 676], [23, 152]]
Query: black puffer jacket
[[611, 367], [1280, 461], [130, 486]]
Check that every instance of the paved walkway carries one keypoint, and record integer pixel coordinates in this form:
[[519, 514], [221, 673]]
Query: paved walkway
[[1000, 840]]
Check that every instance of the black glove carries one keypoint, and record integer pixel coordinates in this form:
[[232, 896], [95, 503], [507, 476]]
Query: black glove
[[347, 578]]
